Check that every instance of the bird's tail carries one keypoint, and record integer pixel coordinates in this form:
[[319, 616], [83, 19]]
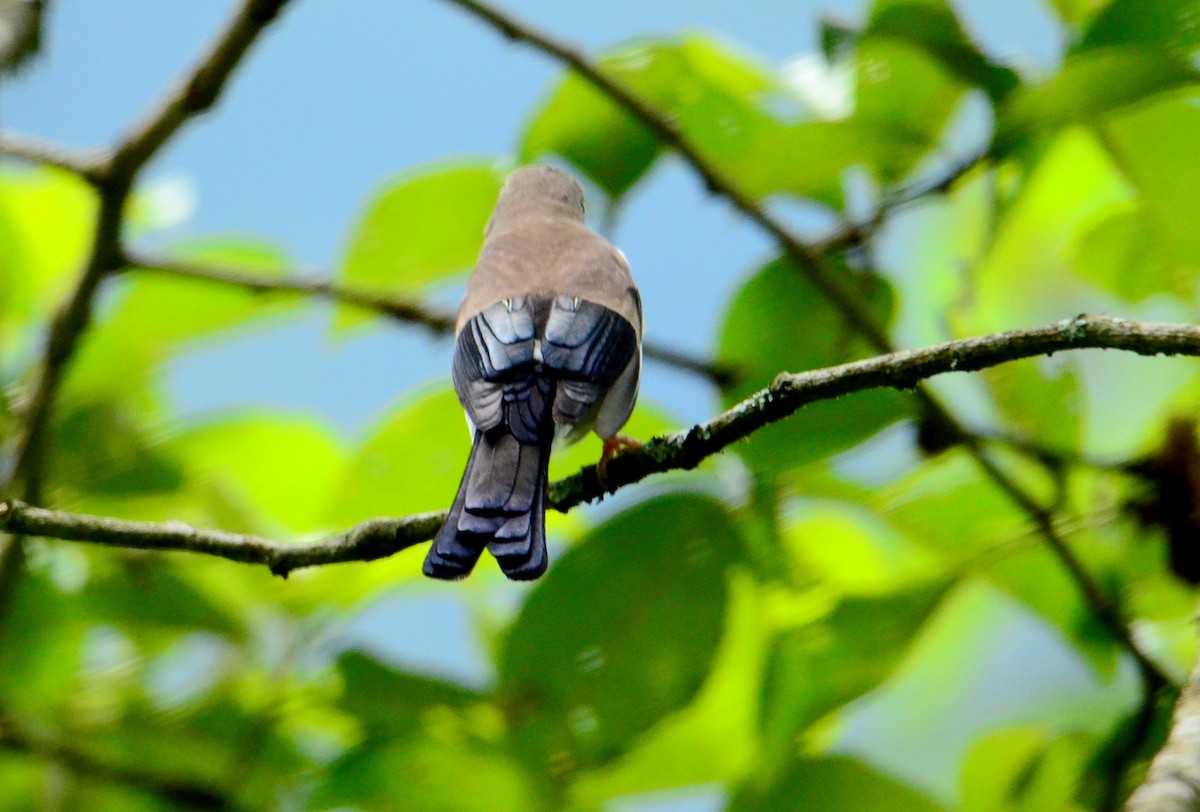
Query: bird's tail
[[501, 505]]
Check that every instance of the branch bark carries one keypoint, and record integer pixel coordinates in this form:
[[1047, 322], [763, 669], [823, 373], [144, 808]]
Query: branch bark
[[437, 322], [809, 260], [1173, 781], [86, 164], [683, 450], [113, 177]]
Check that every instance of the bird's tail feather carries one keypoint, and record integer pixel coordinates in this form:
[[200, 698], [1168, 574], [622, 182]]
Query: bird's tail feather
[[500, 505]]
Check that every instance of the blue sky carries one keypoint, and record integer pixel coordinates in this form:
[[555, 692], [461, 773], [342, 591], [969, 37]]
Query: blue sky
[[341, 95]]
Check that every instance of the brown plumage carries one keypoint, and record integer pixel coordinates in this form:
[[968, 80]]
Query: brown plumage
[[548, 347]]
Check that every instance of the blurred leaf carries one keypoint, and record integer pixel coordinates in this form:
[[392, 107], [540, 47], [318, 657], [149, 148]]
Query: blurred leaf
[[715, 738], [418, 228], [933, 26], [223, 742], [833, 784], [1120, 254], [440, 771], [23, 778], [40, 644], [694, 79], [1160, 26], [426, 433], [157, 314], [1090, 84], [1036, 577], [389, 701], [816, 668], [1025, 277], [1076, 12], [1154, 144], [853, 552], [1024, 770], [143, 595], [620, 634], [240, 459], [104, 449], [905, 95], [903, 101], [946, 505], [46, 226], [1038, 404], [778, 322]]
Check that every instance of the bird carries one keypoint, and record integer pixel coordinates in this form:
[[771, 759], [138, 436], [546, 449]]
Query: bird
[[547, 347]]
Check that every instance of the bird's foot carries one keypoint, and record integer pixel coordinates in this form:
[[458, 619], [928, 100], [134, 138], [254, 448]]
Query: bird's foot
[[617, 444]]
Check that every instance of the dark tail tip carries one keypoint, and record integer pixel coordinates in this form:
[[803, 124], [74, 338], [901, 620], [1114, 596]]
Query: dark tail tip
[[500, 505]]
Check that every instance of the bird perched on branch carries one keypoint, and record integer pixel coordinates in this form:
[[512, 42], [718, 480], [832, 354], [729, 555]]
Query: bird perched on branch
[[548, 347]]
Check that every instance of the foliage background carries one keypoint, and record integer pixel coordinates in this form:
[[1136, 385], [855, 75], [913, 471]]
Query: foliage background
[[828, 618]]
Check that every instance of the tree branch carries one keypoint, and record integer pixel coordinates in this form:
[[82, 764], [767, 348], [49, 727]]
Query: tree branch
[[26, 148], [1173, 781], [197, 92], [438, 323], [809, 261], [683, 450], [113, 178]]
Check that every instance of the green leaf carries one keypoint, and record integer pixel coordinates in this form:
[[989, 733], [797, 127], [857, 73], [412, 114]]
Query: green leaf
[[105, 449], [140, 595], [442, 770], [1025, 278], [1154, 144], [929, 507], [567, 125], [427, 433], [419, 228], [1076, 12], [904, 99], [1024, 769], [1039, 405], [239, 459], [619, 634], [1121, 254], [816, 668], [40, 648], [833, 784], [158, 314], [933, 26], [1036, 577], [778, 322], [852, 552], [46, 226], [694, 79], [1158, 26], [393, 702], [24, 778], [1090, 84]]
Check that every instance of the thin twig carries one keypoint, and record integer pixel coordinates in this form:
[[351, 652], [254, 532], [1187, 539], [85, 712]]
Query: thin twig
[[86, 164], [810, 262], [438, 322], [680, 451], [113, 177], [856, 233], [198, 91]]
